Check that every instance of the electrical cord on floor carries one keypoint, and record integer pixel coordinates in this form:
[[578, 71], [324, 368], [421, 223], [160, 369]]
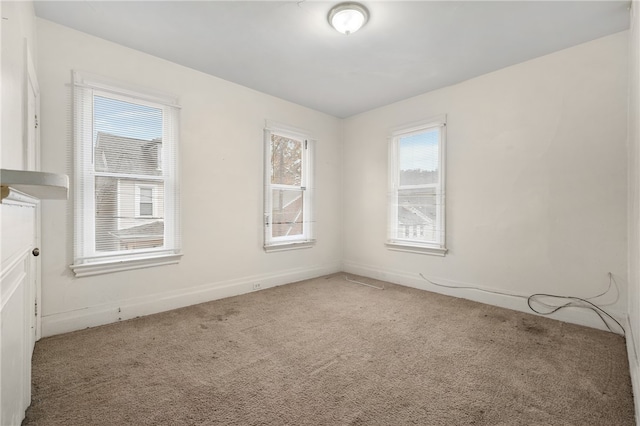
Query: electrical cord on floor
[[575, 302], [361, 283], [611, 282], [571, 301], [461, 287]]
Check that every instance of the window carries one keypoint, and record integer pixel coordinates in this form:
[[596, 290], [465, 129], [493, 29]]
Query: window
[[416, 193], [144, 201], [288, 201], [126, 178]]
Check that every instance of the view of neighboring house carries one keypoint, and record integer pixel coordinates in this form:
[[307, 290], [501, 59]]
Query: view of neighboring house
[[417, 207], [129, 193], [288, 217], [417, 216]]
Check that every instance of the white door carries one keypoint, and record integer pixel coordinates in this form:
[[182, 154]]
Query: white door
[[16, 344]]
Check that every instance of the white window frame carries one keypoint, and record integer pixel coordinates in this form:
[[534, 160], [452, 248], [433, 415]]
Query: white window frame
[[306, 240], [403, 243], [87, 261], [158, 159]]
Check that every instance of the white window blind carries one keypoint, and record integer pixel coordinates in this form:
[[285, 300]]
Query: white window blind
[[126, 191], [288, 193], [416, 188]]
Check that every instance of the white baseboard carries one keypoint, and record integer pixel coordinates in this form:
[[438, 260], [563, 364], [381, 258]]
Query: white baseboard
[[634, 369], [126, 309], [571, 315]]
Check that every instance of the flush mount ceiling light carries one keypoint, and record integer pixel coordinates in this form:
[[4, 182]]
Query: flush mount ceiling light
[[348, 18]]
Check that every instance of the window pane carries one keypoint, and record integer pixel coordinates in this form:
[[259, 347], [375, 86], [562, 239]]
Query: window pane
[[417, 214], [287, 213], [146, 209], [146, 195], [127, 137], [418, 155], [286, 161], [117, 227]]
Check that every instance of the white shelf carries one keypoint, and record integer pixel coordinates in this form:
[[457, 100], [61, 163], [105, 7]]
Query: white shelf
[[42, 185]]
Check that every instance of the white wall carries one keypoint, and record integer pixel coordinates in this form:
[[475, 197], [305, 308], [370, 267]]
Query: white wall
[[221, 160], [536, 184], [18, 26], [633, 335], [536, 180]]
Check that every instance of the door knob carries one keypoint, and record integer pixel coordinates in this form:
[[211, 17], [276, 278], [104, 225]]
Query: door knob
[[36, 251]]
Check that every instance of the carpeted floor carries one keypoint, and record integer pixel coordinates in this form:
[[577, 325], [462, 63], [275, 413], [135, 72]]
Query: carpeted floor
[[330, 352]]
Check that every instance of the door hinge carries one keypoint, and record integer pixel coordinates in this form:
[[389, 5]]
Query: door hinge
[[36, 314], [36, 117]]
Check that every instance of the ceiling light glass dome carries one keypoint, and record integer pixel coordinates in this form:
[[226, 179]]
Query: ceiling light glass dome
[[348, 18]]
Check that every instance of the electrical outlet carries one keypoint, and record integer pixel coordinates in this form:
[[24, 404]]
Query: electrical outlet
[[257, 286]]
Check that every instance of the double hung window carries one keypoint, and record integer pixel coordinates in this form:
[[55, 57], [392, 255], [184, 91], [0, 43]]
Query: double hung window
[[416, 188], [145, 201], [288, 193], [126, 178]]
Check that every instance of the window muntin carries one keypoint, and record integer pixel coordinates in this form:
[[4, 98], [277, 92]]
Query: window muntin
[[416, 206], [288, 192], [127, 203]]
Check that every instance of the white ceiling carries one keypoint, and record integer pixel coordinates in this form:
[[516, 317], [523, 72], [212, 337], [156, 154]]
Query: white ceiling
[[287, 49]]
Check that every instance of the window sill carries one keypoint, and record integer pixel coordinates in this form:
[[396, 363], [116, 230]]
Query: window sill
[[414, 248], [98, 268], [289, 246]]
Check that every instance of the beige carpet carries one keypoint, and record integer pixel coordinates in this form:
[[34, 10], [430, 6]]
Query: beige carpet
[[330, 352]]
